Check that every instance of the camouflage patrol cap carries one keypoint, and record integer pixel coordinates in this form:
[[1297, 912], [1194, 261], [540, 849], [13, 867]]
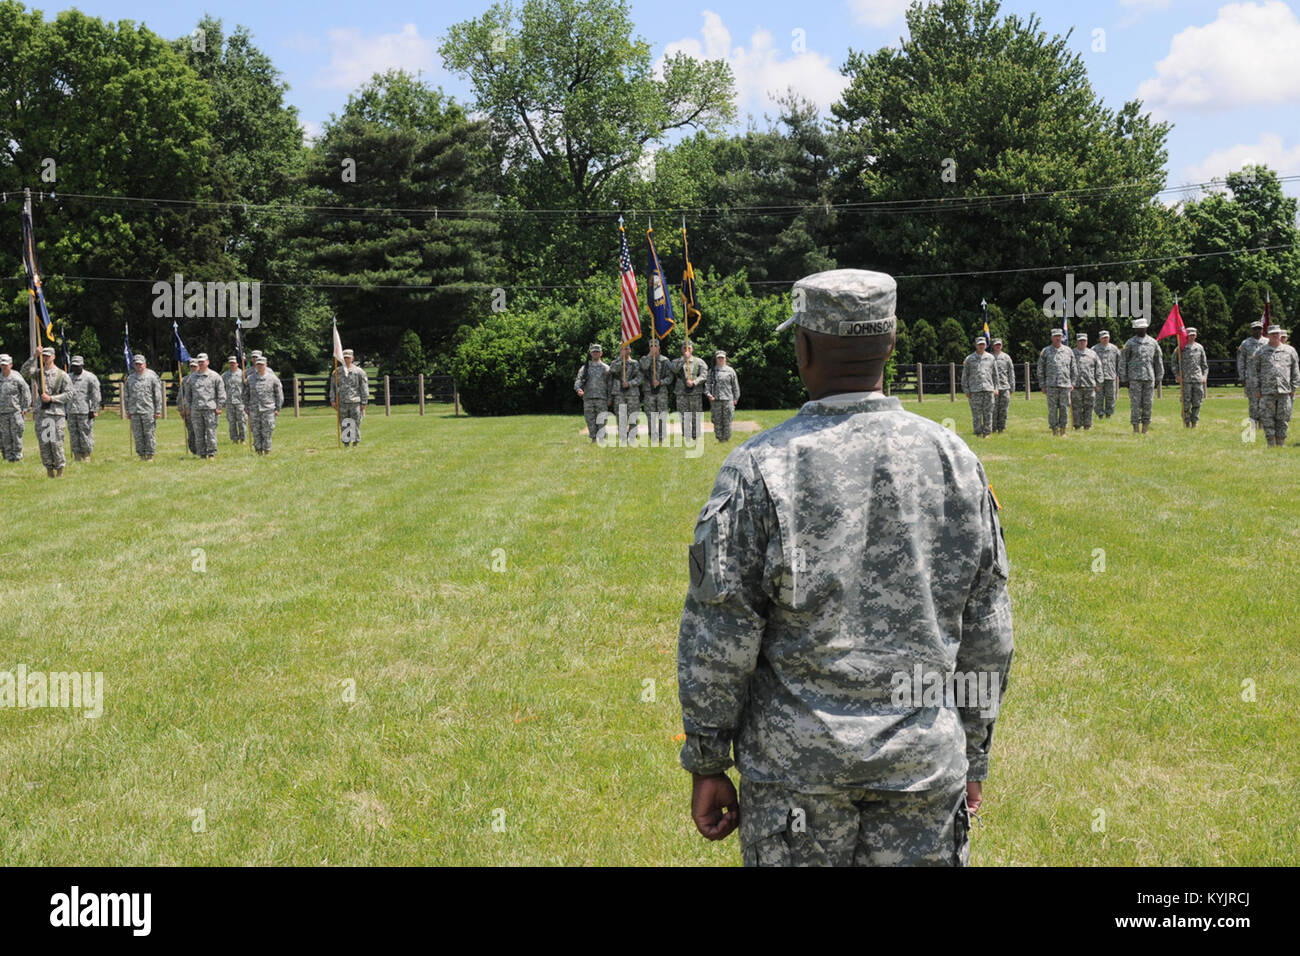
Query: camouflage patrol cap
[[719, 354], [1272, 330], [1190, 330], [194, 363], [48, 351], [595, 347], [844, 302], [997, 341], [347, 353], [979, 339], [1257, 324], [232, 359], [260, 360], [6, 359], [1140, 323], [139, 359], [201, 357], [1081, 335], [1056, 332], [77, 360], [1103, 334]]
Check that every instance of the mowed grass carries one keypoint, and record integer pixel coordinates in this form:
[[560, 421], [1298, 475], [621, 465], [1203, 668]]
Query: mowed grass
[[508, 716]]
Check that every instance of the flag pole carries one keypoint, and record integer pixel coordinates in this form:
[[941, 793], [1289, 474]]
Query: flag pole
[[33, 337], [180, 387], [338, 404], [1182, 383]]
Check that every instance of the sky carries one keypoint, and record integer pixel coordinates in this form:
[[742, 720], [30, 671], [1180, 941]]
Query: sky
[[1225, 74]]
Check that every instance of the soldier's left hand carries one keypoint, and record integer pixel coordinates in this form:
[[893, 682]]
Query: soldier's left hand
[[710, 795], [974, 795]]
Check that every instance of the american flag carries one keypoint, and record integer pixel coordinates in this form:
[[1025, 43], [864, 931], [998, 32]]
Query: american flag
[[631, 309]]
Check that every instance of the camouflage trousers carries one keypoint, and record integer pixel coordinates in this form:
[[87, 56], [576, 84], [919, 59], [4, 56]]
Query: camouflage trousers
[[691, 408], [238, 421], [263, 424], [49, 436], [81, 433], [1275, 413], [1082, 402], [1140, 396], [1106, 400], [622, 418], [981, 411], [1058, 403], [1001, 405], [350, 422], [205, 431], [722, 413], [1193, 396], [143, 428], [11, 435], [780, 826], [189, 433], [656, 400], [1252, 400]]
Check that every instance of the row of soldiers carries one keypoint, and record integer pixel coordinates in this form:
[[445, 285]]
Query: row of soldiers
[[1270, 369], [54, 396], [630, 385]]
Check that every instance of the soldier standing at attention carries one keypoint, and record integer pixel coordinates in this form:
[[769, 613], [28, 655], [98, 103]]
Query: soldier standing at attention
[[625, 394], [1141, 365], [1006, 385], [82, 408], [264, 396], [723, 391], [592, 386], [52, 390], [691, 375], [350, 396], [847, 547], [1109, 355], [207, 397], [1193, 374], [182, 406], [1087, 382], [144, 403], [1056, 373], [233, 379], [979, 380], [1246, 368], [15, 400], [1276, 376], [656, 376]]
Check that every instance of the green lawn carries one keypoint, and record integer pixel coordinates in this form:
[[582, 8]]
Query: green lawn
[[521, 690]]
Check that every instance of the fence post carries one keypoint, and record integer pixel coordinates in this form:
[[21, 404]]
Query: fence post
[[388, 397], [121, 397], [297, 388], [952, 381], [920, 384], [455, 397], [178, 400], [1028, 387], [421, 393]]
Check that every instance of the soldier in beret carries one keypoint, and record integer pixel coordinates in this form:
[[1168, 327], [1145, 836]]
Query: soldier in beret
[[592, 386], [723, 391], [82, 407], [15, 400], [848, 546]]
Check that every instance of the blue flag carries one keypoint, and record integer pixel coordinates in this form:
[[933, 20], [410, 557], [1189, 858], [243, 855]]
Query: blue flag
[[178, 347], [35, 287], [661, 303], [63, 344]]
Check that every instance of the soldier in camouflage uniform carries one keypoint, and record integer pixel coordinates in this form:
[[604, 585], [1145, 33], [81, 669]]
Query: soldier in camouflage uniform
[[182, 396], [1276, 374], [690, 375], [51, 391], [853, 543], [206, 398], [1087, 382], [82, 408], [233, 379], [979, 380], [1056, 373], [349, 393], [144, 403], [656, 378], [625, 399], [723, 389], [1193, 373], [1246, 368], [1006, 385], [1109, 355], [592, 386], [1141, 365], [15, 400], [264, 397]]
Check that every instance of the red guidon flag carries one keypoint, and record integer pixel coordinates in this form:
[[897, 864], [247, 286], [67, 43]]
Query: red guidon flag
[[1174, 326]]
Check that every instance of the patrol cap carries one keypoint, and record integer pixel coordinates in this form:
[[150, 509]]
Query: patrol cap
[[1257, 324], [1081, 335], [77, 360], [719, 354], [347, 353], [48, 351], [1190, 330], [1103, 334], [997, 341], [138, 360], [201, 357], [260, 360], [194, 363], [6, 359], [845, 302], [1140, 323], [232, 359], [1272, 330], [979, 339], [1056, 332], [593, 347]]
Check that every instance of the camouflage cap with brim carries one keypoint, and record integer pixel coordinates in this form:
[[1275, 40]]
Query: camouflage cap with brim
[[844, 302]]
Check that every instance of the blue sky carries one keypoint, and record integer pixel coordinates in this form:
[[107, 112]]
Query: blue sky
[[1227, 75]]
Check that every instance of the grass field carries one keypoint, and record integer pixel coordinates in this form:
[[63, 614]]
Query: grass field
[[233, 606]]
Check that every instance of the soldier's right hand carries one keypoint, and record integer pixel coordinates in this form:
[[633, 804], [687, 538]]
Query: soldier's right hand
[[710, 795], [580, 393]]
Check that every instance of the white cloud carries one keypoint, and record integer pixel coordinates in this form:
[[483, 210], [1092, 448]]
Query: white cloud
[[354, 57], [1246, 57], [878, 13], [764, 71], [1268, 151], [310, 131]]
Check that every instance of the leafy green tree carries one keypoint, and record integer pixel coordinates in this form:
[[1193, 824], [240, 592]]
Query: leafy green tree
[[1215, 330], [1030, 330], [955, 343], [925, 343], [408, 357], [1246, 308]]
